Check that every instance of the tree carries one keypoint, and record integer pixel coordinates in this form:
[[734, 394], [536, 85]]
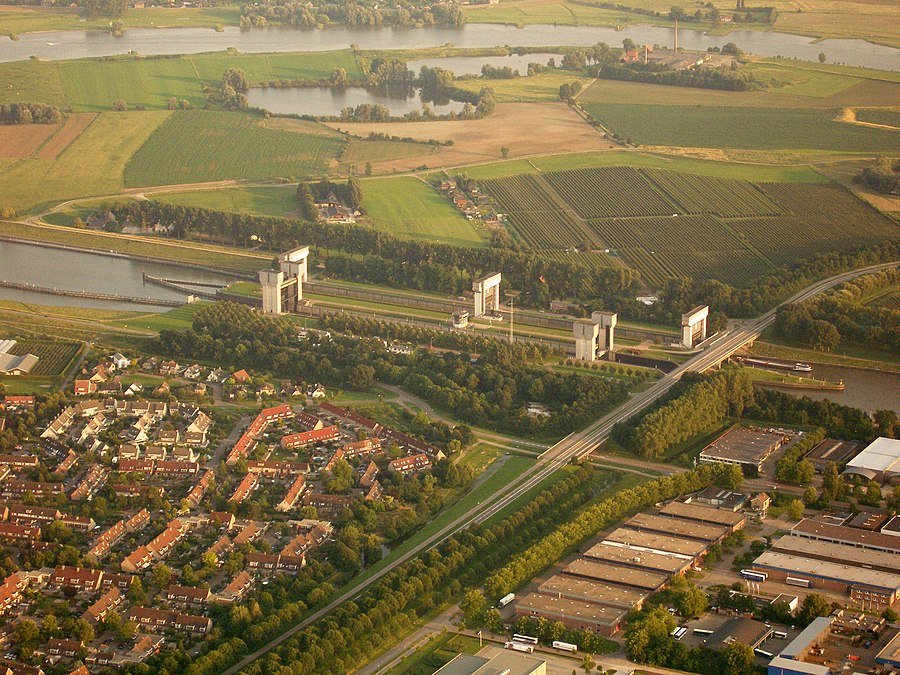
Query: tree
[[127, 631], [810, 496], [812, 607], [504, 152], [120, 105], [368, 168], [822, 57], [832, 483], [341, 478], [136, 594], [237, 80], [739, 659], [588, 663], [161, 576], [795, 509], [629, 45], [733, 478], [338, 77], [26, 632], [473, 605], [691, 602]]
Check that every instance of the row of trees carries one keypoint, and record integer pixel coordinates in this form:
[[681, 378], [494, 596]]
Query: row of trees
[[792, 468], [703, 78], [355, 15], [29, 113], [703, 404], [533, 560], [844, 316]]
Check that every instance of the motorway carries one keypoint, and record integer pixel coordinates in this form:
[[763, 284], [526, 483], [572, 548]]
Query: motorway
[[576, 444]]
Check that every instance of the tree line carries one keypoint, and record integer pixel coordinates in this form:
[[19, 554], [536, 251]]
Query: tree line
[[701, 405], [29, 113], [884, 177], [844, 316], [354, 15], [653, 73]]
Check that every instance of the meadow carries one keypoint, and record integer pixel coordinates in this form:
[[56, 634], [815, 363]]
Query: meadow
[[200, 146], [758, 129], [410, 208], [149, 82], [22, 19], [92, 165], [277, 200], [667, 223]]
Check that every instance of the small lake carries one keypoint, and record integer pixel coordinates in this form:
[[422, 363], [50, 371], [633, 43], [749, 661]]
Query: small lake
[[329, 101], [93, 272], [866, 389], [149, 41]]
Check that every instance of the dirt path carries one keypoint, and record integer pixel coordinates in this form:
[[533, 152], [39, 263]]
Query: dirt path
[[848, 116]]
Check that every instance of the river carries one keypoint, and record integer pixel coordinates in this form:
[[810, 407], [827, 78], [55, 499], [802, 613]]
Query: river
[[148, 41], [867, 389], [93, 272]]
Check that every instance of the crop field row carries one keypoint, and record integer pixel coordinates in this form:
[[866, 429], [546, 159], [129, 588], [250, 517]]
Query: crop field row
[[198, 146], [609, 192], [700, 246], [720, 196], [540, 217], [54, 355]]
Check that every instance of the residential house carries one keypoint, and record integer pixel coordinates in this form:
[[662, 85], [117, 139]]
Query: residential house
[[108, 602], [187, 595], [305, 438], [410, 464], [292, 495], [168, 368], [66, 648], [246, 488], [85, 387], [81, 578]]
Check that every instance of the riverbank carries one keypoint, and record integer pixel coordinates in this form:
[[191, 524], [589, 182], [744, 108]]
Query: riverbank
[[190, 255], [812, 357]]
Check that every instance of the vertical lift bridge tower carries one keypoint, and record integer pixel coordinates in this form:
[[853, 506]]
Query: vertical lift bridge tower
[[487, 294], [282, 289], [595, 337], [693, 326]]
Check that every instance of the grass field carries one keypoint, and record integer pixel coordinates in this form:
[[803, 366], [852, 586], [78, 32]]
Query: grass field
[[717, 127], [179, 318], [408, 207], [55, 355], [543, 87], [32, 19], [95, 84], [359, 151], [279, 200], [875, 116], [92, 165], [199, 146], [188, 252]]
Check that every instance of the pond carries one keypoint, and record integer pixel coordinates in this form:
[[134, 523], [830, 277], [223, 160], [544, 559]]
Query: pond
[[149, 41], [329, 101], [93, 272]]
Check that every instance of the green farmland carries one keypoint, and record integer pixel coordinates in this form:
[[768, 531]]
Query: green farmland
[[200, 146], [408, 207], [755, 129], [95, 84], [278, 200]]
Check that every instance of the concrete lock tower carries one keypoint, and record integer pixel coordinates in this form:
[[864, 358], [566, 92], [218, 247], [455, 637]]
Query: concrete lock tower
[[487, 294], [282, 289], [693, 326], [595, 337]]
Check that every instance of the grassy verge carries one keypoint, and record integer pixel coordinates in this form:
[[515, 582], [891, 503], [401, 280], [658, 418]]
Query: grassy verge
[[434, 654], [856, 359]]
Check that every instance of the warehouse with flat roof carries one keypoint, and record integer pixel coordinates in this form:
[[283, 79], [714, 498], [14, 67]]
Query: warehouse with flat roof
[[866, 586], [704, 514], [670, 564], [839, 534], [688, 529], [742, 447], [656, 542], [616, 574], [839, 553], [573, 613], [831, 450], [890, 654], [602, 593]]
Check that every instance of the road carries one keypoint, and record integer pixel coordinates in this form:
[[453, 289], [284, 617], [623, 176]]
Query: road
[[574, 445]]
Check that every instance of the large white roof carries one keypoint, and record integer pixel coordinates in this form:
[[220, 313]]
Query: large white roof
[[882, 454]]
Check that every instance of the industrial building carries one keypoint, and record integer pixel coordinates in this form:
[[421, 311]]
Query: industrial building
[[879, 461], [282, 289], [704, 514], [667, 563], [574, 614], [693, 326], [601, 593], [654, 542], [686, 529], [741, 630], [487, 295], [839, 553], [839, 534], [747, 448], [870, 588], [595, 337], [831, 450], [790, 660], [890, 653], [624, 576]]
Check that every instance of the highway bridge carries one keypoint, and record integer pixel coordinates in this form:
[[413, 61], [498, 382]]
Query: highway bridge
[[576, 444]]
